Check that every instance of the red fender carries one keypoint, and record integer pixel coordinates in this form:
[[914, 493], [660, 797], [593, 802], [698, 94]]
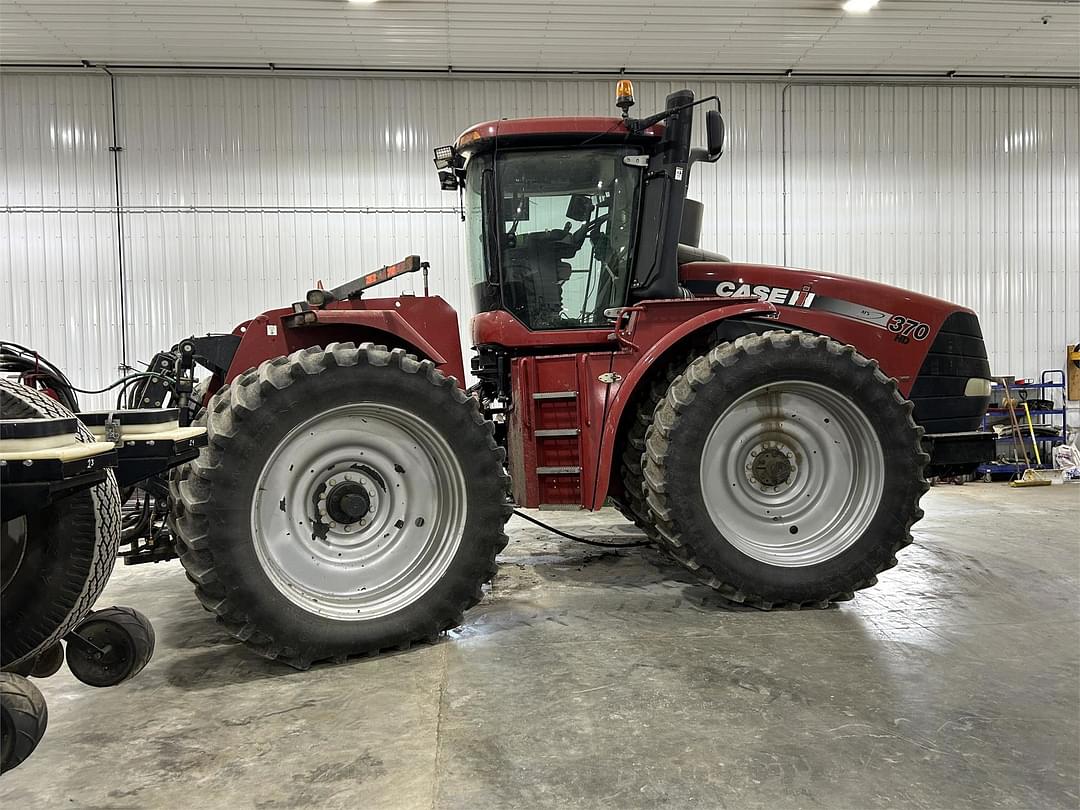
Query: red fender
[[427, 325], [641, 363]]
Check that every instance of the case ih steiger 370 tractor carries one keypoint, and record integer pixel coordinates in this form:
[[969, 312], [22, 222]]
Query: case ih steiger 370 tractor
[[769, 428]]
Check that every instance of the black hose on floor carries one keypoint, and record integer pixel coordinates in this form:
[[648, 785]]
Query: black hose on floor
[[576, 539]]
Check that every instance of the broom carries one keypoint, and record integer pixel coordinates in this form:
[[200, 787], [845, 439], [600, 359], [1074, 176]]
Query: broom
[[1030, 478]]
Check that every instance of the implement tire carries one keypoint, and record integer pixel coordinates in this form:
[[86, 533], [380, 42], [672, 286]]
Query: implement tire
[[23, 719], [350, 500], [56, 560], [784, 469]]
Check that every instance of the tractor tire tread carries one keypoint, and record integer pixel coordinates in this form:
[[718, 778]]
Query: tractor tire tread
[[632, 506], [681, 394], [190, 521]]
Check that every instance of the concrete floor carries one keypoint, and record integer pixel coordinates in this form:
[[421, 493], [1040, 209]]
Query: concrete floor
[[594, 679]]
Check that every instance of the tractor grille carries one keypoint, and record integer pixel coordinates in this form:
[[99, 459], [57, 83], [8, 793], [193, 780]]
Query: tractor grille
[[957, 355]]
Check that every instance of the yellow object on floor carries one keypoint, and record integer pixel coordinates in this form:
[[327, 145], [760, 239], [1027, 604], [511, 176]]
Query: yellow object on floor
[[1030, 478]]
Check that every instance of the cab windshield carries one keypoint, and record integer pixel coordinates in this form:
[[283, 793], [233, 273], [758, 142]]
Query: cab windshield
[[565, 225]]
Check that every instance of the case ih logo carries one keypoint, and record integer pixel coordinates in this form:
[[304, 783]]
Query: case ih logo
[[774, 295]]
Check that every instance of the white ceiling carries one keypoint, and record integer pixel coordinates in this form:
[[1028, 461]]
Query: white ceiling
[[806, 36]]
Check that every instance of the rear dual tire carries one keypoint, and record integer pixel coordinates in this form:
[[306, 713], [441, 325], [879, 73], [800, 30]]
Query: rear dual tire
[[350, 500], [793, 492]]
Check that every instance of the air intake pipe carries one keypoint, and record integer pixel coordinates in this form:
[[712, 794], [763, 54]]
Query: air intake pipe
[[656, 270]]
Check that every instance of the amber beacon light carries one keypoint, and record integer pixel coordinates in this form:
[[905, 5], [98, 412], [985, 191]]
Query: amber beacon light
[[624, 95]]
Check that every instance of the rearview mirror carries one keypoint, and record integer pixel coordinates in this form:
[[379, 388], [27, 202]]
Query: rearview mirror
[[714, 131], [448, 180]]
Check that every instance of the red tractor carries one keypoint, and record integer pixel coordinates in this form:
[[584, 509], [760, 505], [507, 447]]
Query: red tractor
[[770, 428]]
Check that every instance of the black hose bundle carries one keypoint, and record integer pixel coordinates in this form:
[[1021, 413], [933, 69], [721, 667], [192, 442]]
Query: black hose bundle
[[37, 372]]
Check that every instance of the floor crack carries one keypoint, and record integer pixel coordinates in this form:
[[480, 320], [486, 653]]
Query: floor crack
[[438, 727]]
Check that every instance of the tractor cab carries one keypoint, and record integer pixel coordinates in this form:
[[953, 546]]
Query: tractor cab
[[569, 219], [561, 233]]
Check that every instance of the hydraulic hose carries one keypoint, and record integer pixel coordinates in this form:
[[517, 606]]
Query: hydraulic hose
[[576, 539]]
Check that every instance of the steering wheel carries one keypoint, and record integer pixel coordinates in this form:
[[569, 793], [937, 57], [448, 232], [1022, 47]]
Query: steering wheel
[[587, 228]]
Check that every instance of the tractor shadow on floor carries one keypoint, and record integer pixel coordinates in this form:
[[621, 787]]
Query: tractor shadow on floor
[[539, 582], [645, 567], [230, 662], [197, 653]]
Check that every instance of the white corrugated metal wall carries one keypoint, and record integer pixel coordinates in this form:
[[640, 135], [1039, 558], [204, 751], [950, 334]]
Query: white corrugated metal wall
[[240, 192], [59, 281], [970, 194]]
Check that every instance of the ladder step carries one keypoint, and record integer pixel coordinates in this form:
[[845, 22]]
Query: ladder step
[[547, 434], [558, 470], [556, 395]]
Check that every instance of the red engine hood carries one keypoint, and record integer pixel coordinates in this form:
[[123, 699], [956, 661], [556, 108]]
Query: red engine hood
[[883, 298], [894, 326]]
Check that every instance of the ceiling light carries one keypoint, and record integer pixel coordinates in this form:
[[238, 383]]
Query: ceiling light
[[859, 6], [362, 2]]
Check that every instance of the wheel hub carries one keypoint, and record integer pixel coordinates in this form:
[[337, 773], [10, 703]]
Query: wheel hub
[[347, 502], [347, 499], [771, 465]]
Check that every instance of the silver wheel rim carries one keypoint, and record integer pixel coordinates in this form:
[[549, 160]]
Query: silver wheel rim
[[375, 565], [792, 473]]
